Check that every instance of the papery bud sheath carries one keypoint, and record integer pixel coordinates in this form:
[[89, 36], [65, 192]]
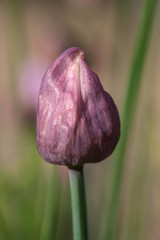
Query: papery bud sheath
[[77, 121]]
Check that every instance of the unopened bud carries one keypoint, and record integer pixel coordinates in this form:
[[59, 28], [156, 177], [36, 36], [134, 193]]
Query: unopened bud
[[77, 121]]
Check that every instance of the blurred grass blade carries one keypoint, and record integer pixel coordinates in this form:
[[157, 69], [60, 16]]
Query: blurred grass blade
[[130, 103], [5, 230], [49, 224]]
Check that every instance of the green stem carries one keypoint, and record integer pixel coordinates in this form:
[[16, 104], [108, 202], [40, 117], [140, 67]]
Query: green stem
[[78, 203], [130, 104]]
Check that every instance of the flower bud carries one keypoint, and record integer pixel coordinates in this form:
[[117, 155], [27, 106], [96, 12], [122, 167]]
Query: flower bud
[[77, 121]]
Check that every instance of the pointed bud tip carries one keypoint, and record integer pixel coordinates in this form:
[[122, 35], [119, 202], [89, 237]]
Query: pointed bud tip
[[73, 52]]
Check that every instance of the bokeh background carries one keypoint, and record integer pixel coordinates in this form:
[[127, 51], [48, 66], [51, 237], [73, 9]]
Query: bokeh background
[[32, 35]]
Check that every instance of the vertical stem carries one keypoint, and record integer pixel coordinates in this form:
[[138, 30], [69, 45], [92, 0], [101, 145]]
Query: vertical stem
[[78, 203]]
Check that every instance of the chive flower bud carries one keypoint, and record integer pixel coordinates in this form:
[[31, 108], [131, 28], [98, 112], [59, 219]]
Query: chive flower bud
[[77, 121]]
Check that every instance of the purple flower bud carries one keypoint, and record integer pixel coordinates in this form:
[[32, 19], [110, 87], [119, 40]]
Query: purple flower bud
[[77, 121]]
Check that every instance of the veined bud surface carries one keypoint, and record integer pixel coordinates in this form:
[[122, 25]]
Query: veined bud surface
[[77, 121]]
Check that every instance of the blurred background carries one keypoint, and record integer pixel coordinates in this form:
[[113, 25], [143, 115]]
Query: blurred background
[[32, 35]]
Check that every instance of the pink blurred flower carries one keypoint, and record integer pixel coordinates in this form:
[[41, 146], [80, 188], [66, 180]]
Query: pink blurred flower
[[29, 85]]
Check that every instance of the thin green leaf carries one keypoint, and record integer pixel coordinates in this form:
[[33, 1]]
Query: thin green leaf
[[131, 100]]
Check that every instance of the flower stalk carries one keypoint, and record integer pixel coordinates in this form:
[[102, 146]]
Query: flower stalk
[[78, 203]]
